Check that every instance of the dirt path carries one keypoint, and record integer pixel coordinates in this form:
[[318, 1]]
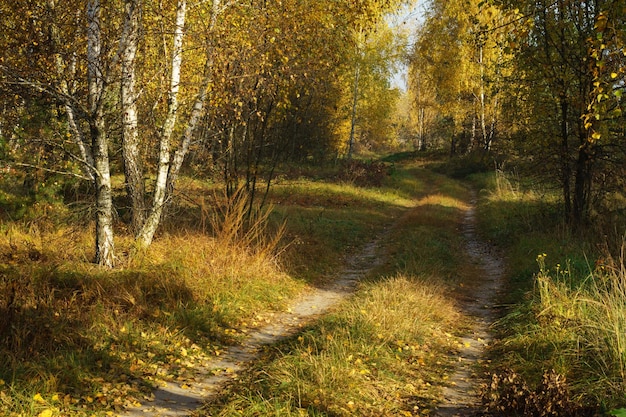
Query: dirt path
[[180, 399], [461, 397]]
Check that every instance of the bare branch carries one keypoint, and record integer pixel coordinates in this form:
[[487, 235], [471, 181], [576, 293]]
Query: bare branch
[[15, 79], [54, 171]]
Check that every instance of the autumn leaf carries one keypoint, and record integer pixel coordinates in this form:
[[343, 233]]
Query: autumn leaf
[[46, 413], [38, 399]]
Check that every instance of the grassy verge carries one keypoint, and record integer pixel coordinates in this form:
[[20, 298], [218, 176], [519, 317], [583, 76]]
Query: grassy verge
[[76, 340], [379, 355], [386, 351], [562, 343]]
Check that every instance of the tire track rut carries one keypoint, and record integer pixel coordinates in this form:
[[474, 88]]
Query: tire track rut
[[182, 398], [461, 395]]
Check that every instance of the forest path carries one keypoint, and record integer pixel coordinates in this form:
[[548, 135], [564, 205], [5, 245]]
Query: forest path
[[478, 301], [181, 399], [461, 397]]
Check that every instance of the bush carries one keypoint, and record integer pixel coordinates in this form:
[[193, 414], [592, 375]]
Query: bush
[[362, 173]]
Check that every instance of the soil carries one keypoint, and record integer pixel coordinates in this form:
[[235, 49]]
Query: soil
[[479, 302], [460, 396]]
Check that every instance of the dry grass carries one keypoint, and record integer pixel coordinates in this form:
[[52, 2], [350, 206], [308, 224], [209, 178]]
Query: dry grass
[[386, 351], [380, 355], [79, 340], [99, 339], [565, 333], [575, 332]]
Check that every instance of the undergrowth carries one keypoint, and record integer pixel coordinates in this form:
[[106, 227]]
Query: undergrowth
[[79, 340], [562, 343]]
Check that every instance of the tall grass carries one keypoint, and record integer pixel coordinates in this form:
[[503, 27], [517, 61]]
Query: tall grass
[[566, 325], [78, 340], [588, 321]]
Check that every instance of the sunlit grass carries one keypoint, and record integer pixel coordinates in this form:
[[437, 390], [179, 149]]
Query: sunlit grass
[[101, 340], [567, 309], [382, 354], [386, 350], [576, 327], [325, 194], [90, 341]]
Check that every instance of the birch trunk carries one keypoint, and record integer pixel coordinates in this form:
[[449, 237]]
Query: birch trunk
[[170, 162], [355, 91], [133, 167], [151, 223], [196, 112], [95, 79]]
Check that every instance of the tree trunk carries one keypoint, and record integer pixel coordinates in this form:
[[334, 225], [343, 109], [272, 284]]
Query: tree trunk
[[483, 115], [95, 79], [196, 112], [582, 185], [104, 200], [65, 69], [133, 167], [355, 102], [566, 171], [146, 234]]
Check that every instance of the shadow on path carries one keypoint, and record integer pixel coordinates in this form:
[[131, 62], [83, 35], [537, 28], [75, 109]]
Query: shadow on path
[[180, 399]]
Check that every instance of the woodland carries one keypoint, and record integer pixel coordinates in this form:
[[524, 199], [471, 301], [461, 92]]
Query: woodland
[[172, 171]]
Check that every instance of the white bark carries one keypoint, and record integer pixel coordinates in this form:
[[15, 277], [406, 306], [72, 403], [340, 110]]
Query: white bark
[[104, 203], [63, 70], [170, 163], [355, 101], [146, 234], [196, 114], [197, 110], [355, 91]]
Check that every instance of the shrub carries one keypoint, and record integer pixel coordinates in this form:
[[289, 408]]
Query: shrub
[[362, 173]]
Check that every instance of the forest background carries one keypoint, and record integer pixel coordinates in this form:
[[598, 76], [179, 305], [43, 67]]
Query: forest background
[[111, 111]]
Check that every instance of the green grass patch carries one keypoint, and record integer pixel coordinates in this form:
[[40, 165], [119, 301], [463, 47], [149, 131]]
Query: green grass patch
[[77, 340], [386, 351], [561, 346]]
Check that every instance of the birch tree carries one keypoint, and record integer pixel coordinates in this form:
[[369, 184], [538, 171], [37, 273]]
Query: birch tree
[[96, 94], [459, 57], [141, 76], [555, 57], [132, 158]]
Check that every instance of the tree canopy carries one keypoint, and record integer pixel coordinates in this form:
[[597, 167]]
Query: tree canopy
[[541, 81], [142, 87]]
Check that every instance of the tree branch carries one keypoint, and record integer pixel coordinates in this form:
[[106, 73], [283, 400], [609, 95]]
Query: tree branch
[[54, 171]]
